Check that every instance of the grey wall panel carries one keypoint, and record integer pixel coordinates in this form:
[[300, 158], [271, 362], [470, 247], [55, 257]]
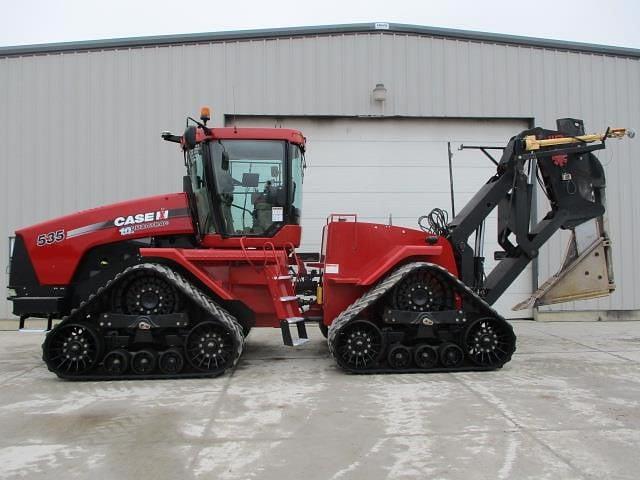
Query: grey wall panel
[[79, 129]]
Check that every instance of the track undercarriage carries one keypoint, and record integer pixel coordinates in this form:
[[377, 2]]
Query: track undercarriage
[[420, 319], [148, 322]]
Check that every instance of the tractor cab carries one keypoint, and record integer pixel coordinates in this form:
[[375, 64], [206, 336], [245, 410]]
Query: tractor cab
[[242, 182]]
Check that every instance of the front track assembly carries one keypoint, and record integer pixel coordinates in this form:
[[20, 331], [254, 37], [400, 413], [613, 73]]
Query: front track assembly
[[420, 318], [147, 322]]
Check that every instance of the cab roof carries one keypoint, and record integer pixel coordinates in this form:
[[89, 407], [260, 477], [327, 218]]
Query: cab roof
[[244, 133]]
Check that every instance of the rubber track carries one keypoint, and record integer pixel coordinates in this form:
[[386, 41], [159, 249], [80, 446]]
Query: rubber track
[[386, 284], [182, 284]]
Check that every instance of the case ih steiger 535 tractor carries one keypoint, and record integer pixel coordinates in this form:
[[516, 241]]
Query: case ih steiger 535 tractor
[[170, 285]]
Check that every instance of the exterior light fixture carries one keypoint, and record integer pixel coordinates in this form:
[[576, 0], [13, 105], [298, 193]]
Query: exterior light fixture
[[380, 92]]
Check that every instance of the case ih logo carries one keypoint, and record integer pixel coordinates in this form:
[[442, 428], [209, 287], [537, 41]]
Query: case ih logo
[[132, 223], [141, 218], [142, 221]]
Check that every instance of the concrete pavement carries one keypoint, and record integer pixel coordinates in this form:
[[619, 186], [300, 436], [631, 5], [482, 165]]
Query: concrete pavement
[[567, 406]]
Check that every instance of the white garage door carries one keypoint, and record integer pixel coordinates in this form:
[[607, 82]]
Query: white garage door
[[396, 167]]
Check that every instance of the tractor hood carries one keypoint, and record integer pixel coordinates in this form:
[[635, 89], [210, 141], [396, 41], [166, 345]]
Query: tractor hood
[[55, 247]]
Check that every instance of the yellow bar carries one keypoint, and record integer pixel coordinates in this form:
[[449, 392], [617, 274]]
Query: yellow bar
[[532, 143]]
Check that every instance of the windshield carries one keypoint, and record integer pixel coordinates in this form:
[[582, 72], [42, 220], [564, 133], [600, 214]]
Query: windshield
[[250, 176]]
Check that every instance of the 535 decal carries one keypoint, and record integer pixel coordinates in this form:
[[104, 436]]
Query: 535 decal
[[50, 238]]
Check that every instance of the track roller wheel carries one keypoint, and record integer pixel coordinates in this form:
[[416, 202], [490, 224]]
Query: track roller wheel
[[359, 345], [423, 291], [143, 362], [116, 362], [171, 361], [425, 356], [489, 342], [451, 355], [72, 349], [399, 357], [209, 347]]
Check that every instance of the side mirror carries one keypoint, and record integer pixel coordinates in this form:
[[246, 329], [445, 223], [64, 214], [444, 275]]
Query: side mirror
[[190, 137]]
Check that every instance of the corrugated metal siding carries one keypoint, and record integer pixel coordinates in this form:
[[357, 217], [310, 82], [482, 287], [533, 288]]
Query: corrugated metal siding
[[81, 129]]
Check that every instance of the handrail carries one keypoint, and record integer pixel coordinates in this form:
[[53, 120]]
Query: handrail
[[246, 255], [302, 269], [275, 256], [341, 217]]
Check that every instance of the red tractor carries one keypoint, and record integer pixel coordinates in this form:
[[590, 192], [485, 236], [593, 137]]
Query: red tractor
[[170, 285]]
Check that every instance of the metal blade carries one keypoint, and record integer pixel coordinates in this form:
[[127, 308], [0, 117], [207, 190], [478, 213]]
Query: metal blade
[[586, 271]]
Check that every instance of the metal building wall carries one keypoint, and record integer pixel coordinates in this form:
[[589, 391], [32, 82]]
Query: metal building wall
[[80, 129]]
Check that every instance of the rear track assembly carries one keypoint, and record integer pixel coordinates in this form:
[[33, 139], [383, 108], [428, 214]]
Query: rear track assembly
[[409, 322]]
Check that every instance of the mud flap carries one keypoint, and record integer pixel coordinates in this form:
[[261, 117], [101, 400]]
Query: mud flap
[[586, 271]]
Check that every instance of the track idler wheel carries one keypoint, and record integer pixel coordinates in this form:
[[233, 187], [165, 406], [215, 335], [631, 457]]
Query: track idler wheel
[[209, 347], [116, 362], [489, 342], [171, 361], [143, 362], [359, 345], [72, 349], [426, 356], [451, 355], [399, 357]]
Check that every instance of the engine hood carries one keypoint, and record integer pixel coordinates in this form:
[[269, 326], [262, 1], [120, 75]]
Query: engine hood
[[56, 246]]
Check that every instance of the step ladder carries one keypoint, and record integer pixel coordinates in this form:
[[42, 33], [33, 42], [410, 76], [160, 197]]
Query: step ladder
[[286, 331], [287, 307]]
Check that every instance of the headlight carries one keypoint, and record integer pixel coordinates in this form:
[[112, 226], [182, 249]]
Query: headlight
[[11, 293]]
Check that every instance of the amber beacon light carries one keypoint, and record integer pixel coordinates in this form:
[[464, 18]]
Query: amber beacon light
[[205, 114]]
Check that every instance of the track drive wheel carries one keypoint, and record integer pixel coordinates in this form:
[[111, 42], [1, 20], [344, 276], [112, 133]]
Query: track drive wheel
[[451, 355], [146, 294], [489, 342], [423, 291], [72, 349], [209, 347], [359, 345]]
